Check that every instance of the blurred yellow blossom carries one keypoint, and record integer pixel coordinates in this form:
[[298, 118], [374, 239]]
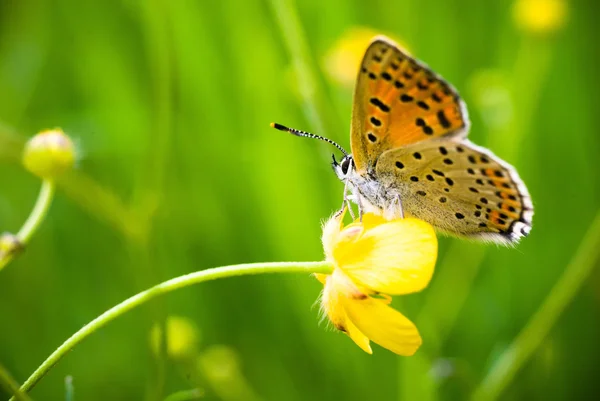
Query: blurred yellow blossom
[[49, 154], [221, 367], [182, 337], [343, 59], [371, 259], [540, 16]]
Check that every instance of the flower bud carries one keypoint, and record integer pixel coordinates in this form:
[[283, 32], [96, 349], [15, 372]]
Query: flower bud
[[182, 337], [49, 154]]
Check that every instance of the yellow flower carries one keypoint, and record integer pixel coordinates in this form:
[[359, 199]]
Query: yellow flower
[[373, 259], [342, 61], [49, 154], [221, 367], [540, 16], [182, 337]]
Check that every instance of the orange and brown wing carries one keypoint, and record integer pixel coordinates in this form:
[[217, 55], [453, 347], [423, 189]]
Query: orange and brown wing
[[459, 188], [399, 101]]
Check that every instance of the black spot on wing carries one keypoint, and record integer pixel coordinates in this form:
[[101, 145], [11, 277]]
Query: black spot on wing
[[379, 104], [444, 122], [375, 121], [423, 105]]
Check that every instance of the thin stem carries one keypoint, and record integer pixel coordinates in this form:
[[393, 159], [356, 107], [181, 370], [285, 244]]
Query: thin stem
[[10, 385], [157, 34], [155, 23], [308, 83], [36, 217], [103, 204], [38, 213], [528, 340], [163, 288], [69, 388], [11, 144], [186, 395]]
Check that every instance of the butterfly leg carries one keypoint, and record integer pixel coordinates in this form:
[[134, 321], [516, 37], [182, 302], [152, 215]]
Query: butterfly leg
[[399, 200], [360, 207], [350, 209], [346, 200]]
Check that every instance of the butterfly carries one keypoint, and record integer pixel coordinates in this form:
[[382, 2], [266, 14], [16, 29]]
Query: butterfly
[[410, 155]]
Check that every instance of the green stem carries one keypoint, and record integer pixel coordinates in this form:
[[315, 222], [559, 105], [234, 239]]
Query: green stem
[[528, 340], [157, 34], [163, 288], [69, 388], [38, 213], [150, 194], [306, 74], [186, 395], [34, 220], [103, 204], [10, 385], [11, 145]]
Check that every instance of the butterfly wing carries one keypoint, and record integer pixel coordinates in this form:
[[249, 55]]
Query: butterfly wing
[[399, 101], [458, 188]]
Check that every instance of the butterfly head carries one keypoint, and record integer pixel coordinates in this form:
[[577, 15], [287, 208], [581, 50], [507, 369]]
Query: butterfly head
[[344, 168]]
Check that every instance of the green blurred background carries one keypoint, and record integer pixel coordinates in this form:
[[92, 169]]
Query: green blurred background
[[170, 103]]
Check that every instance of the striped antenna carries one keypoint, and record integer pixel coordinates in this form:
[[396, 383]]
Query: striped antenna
[[297, 132]]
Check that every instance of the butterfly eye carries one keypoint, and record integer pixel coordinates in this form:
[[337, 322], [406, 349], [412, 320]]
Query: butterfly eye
[[345, 165]]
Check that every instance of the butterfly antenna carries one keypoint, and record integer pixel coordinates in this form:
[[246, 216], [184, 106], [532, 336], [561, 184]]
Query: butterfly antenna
[[297, 132]]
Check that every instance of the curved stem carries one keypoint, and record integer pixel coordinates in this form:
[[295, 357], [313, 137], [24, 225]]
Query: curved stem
[[38, 213], [10, 385], [36, 217], [163, 288], [533, 334]]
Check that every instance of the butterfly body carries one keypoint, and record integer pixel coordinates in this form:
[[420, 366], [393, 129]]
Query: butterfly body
[[410, 154], [474, 203], [368, 192]]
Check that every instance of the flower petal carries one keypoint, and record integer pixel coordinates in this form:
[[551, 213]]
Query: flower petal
[[383, 325], [396, 257], [321, 277], [358, 337], [331, 233], [336, 286], [370, 220]]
